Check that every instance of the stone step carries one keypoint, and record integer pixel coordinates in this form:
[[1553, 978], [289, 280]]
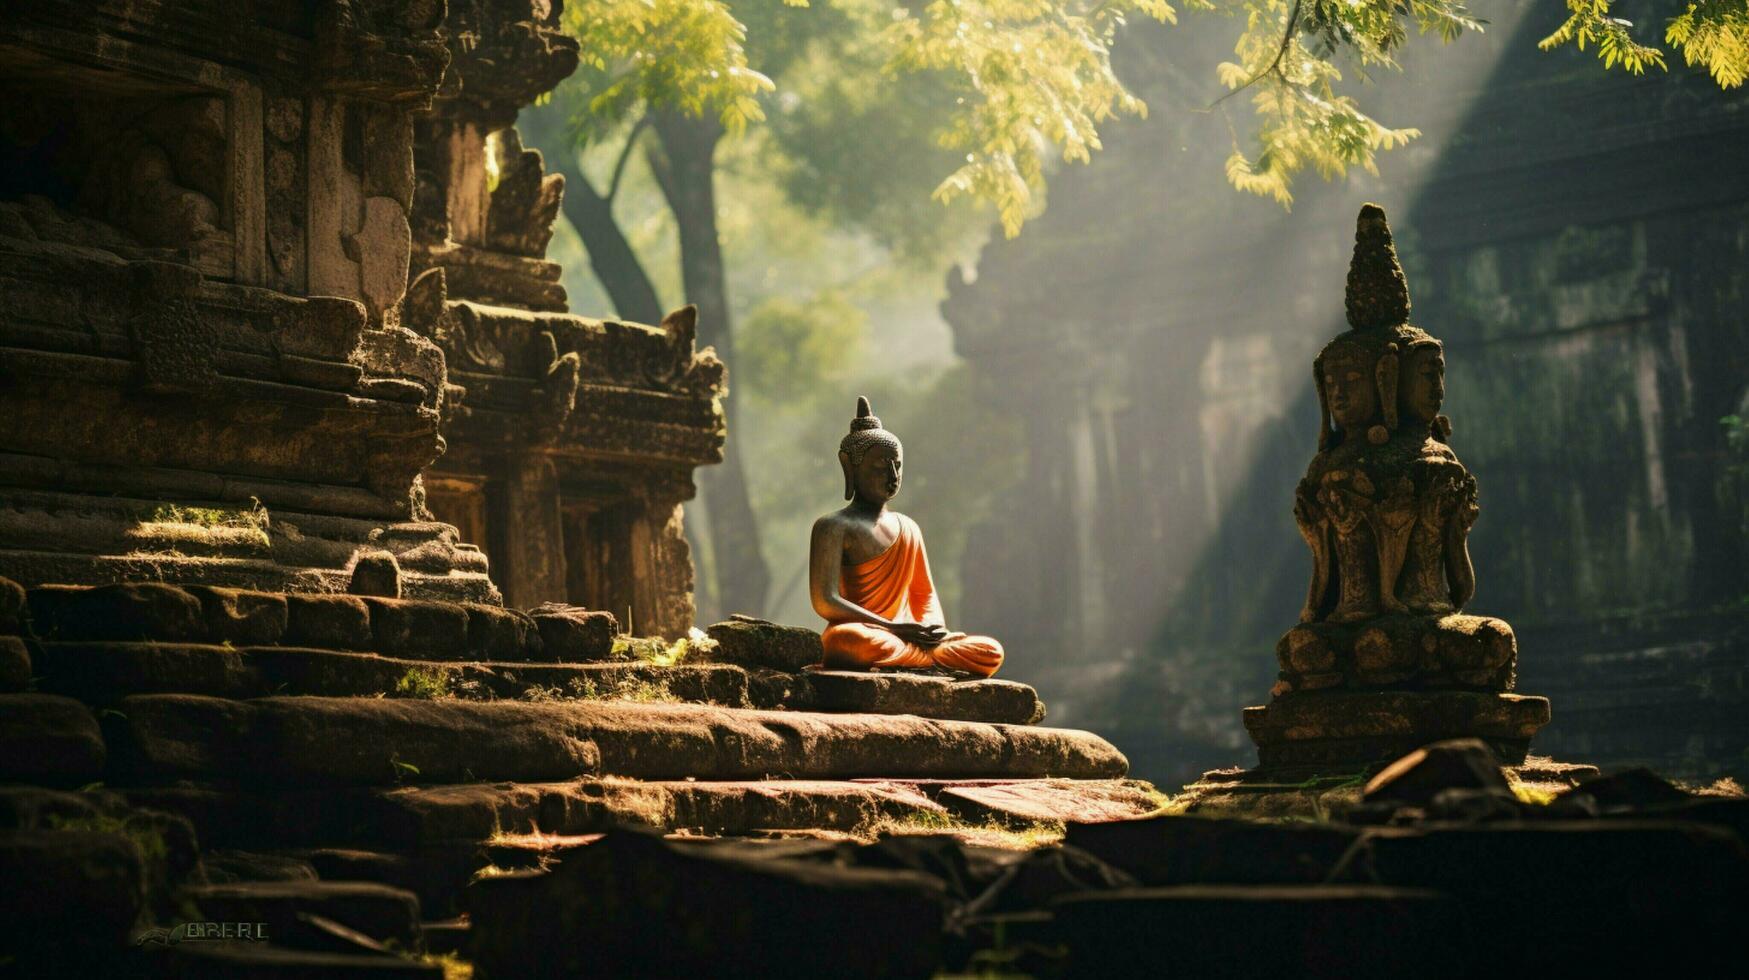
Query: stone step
[[285, 742], [926, 696], [100, 672], [411, 628], [285, 909], [465, 815]]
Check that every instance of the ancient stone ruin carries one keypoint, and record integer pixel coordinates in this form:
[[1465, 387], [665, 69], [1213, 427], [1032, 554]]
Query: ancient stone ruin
[[345, 612], [1384, 659], [325, 528]]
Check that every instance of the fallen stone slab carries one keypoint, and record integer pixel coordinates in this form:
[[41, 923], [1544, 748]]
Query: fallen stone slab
[[1421, 775], [1050, 800], [637, 905], [758, 643], [926, 696], [49, 740], [434, 815], [387, 915], [1321, 931], [337, 741], [1174, 850]]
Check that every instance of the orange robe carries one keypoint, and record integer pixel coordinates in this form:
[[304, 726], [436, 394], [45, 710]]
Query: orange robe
[[895, 585]]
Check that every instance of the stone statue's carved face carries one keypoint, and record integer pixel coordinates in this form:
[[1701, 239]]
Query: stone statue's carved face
[[877, 476], [1352, 392], [1423, 384]]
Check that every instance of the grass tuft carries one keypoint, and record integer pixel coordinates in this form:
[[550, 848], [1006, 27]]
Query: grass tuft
[[659, 652], [425, 683], [990, 833]]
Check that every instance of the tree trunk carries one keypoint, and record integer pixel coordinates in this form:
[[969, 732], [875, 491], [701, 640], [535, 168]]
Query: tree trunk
[[684, 166], [611, 257]]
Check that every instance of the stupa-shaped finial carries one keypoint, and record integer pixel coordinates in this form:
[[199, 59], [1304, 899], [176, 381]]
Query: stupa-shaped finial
[[1378, 292], [865, 416]]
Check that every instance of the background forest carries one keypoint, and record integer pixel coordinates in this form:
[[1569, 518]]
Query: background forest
[[1078, 254]]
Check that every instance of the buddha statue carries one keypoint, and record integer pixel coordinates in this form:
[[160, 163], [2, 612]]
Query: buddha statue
[[1385, 506], [1384, 659], [868, 571]]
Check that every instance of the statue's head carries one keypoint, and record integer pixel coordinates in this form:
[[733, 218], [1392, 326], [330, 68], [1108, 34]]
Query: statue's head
[[1348, 378], [1358, 373], [1423, 381], [871, 458]]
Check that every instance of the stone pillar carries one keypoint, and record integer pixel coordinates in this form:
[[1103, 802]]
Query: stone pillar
[[528, 533], [661, 571]]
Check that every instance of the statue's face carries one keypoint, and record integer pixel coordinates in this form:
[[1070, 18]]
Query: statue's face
[[1423, 384], [1350, 389], [877, 476]]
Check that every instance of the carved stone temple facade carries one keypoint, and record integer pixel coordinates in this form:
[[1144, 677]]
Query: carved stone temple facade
[[256, 280]]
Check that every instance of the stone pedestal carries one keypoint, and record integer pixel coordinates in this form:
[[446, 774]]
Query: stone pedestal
[[1355, 728]]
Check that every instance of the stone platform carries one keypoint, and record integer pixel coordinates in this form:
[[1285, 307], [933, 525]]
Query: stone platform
[[359, 760], [1345, 728]]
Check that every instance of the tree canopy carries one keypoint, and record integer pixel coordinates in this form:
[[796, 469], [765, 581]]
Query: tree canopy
[[1010, 83]]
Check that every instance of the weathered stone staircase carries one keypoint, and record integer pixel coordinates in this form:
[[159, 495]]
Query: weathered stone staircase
[[341, 767]]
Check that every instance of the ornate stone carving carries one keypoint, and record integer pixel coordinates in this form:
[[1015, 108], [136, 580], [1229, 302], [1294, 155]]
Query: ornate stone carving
[[176, 346], [519, 219]]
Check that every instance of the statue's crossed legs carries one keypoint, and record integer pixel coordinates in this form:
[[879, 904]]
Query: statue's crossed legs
[[858, 646]]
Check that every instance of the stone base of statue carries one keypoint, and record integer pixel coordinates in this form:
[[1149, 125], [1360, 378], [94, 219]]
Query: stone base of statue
[[1399, 650], [1355, 694], [1358, 728]]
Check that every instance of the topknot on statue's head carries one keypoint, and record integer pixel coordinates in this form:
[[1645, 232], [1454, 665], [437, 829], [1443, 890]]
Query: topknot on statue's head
[[1378, 292], [865, 433]]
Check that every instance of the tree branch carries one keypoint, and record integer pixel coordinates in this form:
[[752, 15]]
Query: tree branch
[[1274, 66]]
